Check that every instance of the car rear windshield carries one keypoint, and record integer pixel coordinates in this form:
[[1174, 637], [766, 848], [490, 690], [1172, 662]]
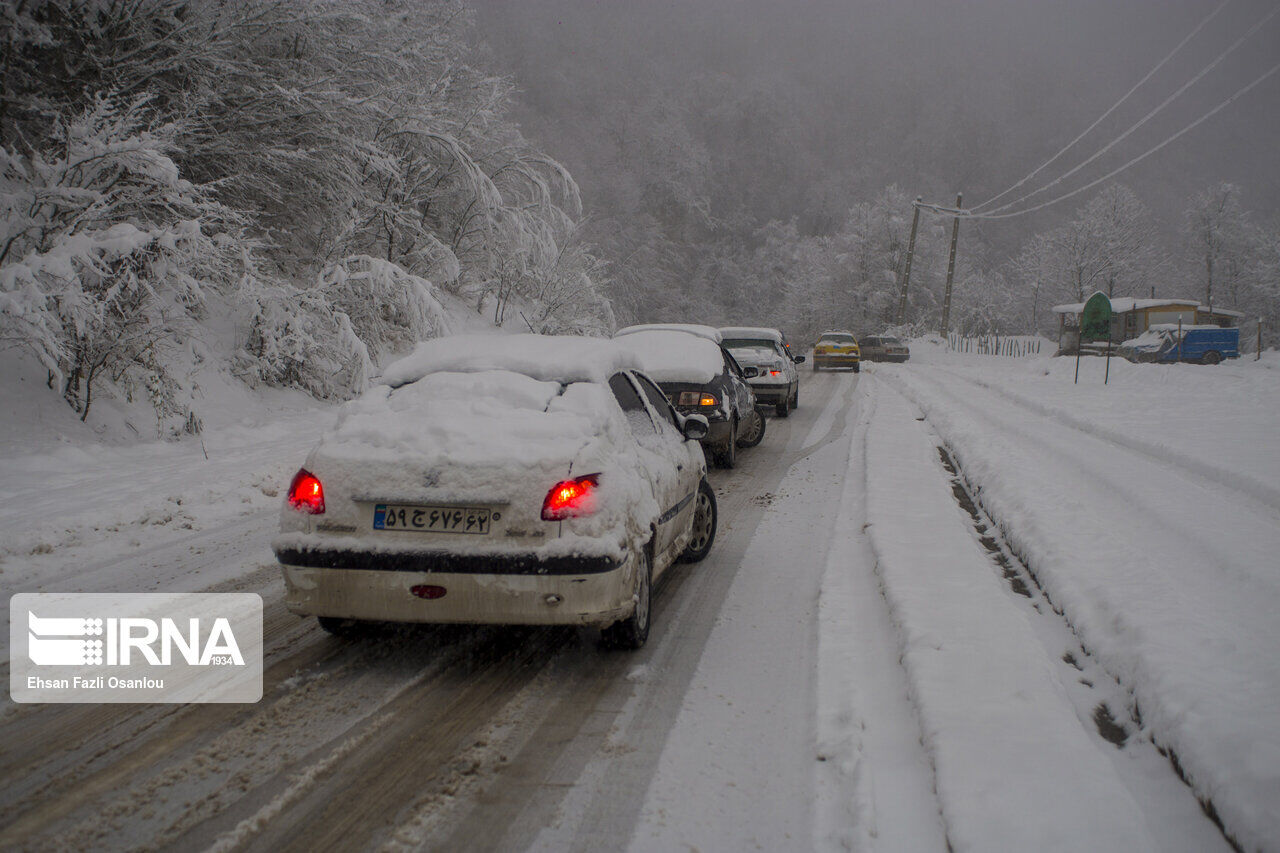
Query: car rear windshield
[[837, 339], [747, 343]]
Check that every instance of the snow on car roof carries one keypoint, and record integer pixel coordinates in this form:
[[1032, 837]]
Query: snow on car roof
[[751, 332], [488, 418], [709, 332], [552, 358], [674, 356]]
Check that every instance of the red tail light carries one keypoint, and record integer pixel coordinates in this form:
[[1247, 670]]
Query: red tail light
[[306, 494], [570, 498], [775, 372]]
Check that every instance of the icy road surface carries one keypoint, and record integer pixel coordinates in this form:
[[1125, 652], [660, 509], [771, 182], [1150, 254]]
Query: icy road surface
[[863, 662]]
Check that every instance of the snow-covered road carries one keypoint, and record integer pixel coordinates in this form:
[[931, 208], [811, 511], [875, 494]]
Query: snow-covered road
[[870, 659]]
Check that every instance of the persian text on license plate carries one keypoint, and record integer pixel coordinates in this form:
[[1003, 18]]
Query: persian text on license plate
[[432, 519]]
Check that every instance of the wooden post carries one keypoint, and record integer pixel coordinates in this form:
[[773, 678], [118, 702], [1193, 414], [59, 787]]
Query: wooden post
[[906, 267], [951, 266]]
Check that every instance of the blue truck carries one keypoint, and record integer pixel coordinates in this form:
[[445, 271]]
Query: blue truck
[[1199, 344]]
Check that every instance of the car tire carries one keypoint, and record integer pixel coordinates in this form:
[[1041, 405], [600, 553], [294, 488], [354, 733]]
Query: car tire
[[783, 409], [795, 398], [755, 430], [857, 367], [1212, 357], [705, 519], [727, 457], [631, 633], [815, 367]]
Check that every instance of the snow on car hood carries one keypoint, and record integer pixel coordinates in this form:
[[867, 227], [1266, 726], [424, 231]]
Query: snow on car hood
[[670, 356], [555, 358]]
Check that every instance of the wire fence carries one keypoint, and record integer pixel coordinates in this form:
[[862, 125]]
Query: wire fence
[[1012, 346]]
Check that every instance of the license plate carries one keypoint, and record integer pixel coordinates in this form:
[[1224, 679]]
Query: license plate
[[432, 519]]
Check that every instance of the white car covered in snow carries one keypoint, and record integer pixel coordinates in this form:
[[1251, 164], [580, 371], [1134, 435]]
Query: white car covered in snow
[[776, 380], [528, 479]]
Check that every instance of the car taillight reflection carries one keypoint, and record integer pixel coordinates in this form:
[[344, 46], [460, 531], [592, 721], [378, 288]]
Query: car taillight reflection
[[305, 493], [571, 498]]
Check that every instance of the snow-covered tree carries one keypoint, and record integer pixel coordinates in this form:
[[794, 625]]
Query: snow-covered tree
[[107, 255]]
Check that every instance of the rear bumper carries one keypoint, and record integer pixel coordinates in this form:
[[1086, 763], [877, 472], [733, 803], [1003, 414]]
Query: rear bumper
[[836, 360], [771, 393], [378, 587]]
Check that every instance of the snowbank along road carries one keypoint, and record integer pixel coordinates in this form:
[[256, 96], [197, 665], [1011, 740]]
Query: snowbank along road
[[864, 661]]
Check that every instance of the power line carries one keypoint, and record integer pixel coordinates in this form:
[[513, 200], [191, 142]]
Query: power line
[[1111, 109], [994, 215], [1216, 61]]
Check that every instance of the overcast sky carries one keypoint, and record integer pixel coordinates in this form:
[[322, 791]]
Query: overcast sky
[[1028, 75]]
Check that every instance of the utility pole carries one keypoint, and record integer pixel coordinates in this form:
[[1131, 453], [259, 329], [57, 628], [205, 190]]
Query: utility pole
[[906, 269], [951, 268]]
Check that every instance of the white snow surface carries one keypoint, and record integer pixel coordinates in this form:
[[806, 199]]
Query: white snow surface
[[1147, 509], [493, 418], [709, 332], [756, 356], [556, 358], [674, 356], [1004, 739], [751, 332]]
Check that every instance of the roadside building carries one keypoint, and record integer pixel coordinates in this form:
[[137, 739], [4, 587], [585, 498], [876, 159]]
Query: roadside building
[[1131, 317]]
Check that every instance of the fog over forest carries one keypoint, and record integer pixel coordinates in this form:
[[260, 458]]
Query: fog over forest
[[691, 126], [290, 192]]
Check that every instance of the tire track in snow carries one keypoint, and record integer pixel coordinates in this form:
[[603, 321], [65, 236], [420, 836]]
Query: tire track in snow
[[1172, 523]]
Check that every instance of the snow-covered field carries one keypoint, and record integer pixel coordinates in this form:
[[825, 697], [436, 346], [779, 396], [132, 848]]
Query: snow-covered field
[[1147, 512], [962, 602]]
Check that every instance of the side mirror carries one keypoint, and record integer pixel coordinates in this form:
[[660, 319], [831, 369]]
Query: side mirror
[[750, 372], [798, 359], [695, 427]]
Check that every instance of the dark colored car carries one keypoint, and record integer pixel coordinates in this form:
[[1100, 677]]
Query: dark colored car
[[699, 376], [884, 348]]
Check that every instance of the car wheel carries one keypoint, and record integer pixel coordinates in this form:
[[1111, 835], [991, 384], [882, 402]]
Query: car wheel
[[705, 515], [815, 367], [341, 627], [783, 409], [795, 398], [857, 367], [754, 432], [727, 456], [1212, 357], [630, 633]]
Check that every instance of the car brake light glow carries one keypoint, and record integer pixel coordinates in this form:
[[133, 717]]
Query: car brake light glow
[[570, 498], [306, 494], [775, 372]]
